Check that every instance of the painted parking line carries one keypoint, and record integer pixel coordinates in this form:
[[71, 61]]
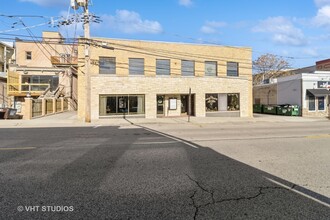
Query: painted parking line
[[318, 136], [155, 142], [17, 148], [299, 192]]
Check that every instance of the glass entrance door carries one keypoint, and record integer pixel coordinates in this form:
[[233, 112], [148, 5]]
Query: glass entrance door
[[185, 104], [160, 105]]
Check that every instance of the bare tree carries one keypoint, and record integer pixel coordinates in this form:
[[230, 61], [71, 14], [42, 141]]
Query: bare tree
[[269, 65]]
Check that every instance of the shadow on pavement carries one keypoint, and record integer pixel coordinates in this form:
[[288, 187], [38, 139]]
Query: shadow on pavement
[[137, 173]]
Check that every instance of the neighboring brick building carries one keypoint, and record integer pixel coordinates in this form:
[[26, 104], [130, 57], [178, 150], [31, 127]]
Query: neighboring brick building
[[6, 53], [43, 68], [152, 79]]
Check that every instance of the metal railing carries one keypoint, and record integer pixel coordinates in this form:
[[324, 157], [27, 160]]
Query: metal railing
[[49, 106], [58, 105], [36, 107], [25, 88], [58, 60], [66, 105]]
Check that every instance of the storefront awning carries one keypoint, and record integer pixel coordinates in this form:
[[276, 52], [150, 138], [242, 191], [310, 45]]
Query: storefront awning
[[318, 92]]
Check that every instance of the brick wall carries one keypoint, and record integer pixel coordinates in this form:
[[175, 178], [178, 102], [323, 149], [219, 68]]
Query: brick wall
[[150, 85]]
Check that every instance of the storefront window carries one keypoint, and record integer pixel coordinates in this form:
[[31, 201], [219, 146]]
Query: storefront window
[[211, 102], [222, 102], [321, 103], [121, 104], [233, 102], [311, 103]]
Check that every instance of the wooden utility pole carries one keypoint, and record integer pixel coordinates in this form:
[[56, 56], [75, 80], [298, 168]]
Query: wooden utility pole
[[189, 105], [75, 4], [87, 65]]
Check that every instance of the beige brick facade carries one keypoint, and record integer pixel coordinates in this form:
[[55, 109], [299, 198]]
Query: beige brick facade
[[45, 68], [265, 94], [150, 85]]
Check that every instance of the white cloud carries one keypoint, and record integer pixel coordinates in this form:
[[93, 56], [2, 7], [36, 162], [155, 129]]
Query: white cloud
[[48, 2], [283, 30], [185, 3], [130, 22], [323, 16], [321, 3], [211, 27]]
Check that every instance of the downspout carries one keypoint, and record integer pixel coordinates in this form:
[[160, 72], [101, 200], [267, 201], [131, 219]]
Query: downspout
[[268, 96], [5, 70], [302, 97], [5, 59]]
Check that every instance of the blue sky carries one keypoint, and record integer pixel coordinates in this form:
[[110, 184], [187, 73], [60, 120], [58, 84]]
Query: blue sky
[[298, 30]]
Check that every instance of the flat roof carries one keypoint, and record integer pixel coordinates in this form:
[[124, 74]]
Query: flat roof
[[172, 42], [7, 44]]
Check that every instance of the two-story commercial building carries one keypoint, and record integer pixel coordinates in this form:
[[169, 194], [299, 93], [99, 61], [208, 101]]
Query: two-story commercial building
[[154, 79]]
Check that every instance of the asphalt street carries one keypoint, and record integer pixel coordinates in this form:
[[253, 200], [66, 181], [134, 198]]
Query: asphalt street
[[135, 172]]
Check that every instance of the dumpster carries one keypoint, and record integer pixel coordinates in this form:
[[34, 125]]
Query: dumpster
[[288, 110], [293, 110], [282, 109], [257, 108], [2, 113], [269, 109], [11, 114]]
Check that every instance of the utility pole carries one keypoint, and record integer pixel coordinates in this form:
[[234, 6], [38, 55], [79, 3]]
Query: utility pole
[[75, 4], [189, 105], [87, 65]]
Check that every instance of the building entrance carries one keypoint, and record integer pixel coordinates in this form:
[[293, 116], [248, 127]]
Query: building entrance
[[160, 105], [185, 105]]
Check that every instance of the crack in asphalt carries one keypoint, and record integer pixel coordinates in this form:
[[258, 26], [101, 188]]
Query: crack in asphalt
[[194, 204], [261, 191]]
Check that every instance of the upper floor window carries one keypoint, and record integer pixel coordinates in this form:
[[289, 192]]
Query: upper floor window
[[163, 67], [210, 68], [107, 65], [232, 69], [28, 55], [136, 66], [187, 68]]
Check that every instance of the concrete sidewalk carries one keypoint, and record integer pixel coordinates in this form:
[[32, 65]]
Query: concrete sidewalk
[[70, 119]]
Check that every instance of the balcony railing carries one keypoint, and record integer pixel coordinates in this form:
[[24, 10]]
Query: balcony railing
[[22, 89], [60, 60]]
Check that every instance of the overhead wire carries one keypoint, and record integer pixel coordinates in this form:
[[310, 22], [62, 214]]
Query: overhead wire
[[201, 42]]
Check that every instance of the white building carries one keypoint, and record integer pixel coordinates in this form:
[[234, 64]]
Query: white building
[[310, 91]]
